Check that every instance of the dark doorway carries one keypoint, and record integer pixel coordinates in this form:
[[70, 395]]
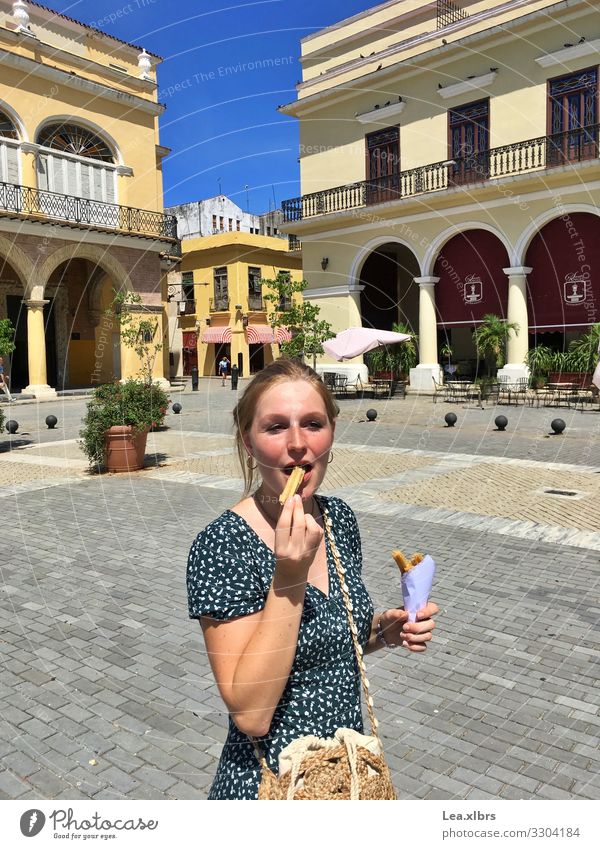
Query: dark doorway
[[469, 143], [19, 370], [573, 118], [383, 165], [222, 350], [257, 358], [390, 294]]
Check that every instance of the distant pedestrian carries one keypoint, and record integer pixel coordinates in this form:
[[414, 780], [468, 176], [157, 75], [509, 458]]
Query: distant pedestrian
[[223, 369], [4, 380]]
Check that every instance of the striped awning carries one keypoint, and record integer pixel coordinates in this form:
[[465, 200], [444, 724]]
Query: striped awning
[[260, 334], [282, 334], [216, 335]]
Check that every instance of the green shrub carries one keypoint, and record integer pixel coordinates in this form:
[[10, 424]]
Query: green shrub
[[2, 420], [137, 403]]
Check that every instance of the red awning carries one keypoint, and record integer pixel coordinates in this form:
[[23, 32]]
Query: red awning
[[564, 284], [259, 334], [216, 335], [282, 334], [472, 281]]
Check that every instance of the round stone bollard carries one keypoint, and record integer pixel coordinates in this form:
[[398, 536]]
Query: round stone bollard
[[558, 425], [51, 422], [501, 422], [371, 415], [177, 408], [450, 419], [12, 426]]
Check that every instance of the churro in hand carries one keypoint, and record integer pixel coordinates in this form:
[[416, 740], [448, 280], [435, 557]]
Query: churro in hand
[[291, 487]]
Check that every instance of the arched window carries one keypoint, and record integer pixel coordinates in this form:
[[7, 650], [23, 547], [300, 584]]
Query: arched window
[[9, 153], [61, 165]]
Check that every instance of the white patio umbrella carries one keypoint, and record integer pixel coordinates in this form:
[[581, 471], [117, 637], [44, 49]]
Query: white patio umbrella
[[358, 340], [596, 377]]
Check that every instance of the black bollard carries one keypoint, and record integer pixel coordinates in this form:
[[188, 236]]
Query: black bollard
[[12, 426], [501, 422], [177, 408], [371, 415], [51, 422], [235, 373], [194, 379], [450, 419], [558, 425]]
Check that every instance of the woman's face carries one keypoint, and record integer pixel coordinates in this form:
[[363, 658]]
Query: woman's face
[[290, 428]]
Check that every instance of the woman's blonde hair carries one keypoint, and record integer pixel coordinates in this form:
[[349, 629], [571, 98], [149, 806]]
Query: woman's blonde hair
[[278, 371]]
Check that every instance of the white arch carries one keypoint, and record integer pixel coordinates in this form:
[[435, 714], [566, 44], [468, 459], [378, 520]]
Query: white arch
[[544, 218], [88, 125], [20, 126], [369, 248], [455, 230]]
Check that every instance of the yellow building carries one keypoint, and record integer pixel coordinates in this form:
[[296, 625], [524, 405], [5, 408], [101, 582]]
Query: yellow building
[[223, 311], [450, 168], [81, 206]]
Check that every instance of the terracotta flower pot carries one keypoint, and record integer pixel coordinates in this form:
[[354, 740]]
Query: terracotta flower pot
[[124, 449]]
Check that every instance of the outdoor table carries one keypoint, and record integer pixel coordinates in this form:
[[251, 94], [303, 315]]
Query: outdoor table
[[381, 385], [462, 391]]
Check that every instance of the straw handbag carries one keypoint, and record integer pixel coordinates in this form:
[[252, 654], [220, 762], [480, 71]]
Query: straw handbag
[[348, 766]]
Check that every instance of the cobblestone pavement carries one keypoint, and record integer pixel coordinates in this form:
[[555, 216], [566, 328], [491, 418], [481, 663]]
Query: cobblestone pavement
[[106, 691]]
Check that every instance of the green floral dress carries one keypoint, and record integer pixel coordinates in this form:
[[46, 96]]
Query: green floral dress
[[229, 573]]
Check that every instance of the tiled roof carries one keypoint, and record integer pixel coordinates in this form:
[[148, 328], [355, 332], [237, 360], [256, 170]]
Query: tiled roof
[[94, 29]]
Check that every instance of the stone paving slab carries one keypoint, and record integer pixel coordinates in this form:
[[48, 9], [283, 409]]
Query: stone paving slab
[[514, 642]]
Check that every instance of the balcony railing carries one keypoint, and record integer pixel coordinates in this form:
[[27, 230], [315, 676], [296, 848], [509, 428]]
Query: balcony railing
[[294, 243], [219, 304], [526, 156], [255, 302], [22, 200]]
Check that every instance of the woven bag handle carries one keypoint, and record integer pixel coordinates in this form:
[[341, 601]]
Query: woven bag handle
[[358, 650]]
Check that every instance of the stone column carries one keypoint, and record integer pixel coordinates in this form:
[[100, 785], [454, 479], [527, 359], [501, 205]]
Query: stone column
[[29, 175], [36, 351], [428, 368], [518, 343]]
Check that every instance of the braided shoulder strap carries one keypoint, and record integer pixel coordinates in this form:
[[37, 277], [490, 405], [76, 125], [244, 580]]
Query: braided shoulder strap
[[358, 650]]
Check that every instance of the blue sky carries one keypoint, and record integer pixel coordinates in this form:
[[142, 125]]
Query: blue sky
[[221, 120]]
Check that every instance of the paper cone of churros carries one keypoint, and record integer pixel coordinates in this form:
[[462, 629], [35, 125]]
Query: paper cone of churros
[[417, 578]]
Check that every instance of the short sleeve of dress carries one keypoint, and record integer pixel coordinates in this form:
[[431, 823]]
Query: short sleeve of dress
[[223, 581]]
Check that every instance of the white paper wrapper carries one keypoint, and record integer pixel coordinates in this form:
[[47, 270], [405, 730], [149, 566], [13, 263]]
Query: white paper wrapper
[[416, 586]]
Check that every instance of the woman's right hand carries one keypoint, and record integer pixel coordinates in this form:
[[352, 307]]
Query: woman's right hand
[[297, 540]]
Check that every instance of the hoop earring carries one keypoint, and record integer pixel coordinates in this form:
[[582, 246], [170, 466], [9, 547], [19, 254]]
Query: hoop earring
[[249, 459], [330, 459]]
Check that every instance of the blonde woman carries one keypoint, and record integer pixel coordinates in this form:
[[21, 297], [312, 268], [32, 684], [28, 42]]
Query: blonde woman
[[263, 584]]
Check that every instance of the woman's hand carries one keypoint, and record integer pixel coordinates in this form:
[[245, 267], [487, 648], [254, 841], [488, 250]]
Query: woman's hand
[[413, 636], [297, 540]]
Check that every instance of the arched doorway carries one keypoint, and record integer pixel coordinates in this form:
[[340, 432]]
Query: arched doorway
[[563, 293], [472, 283], [82, 340], [13, 308], [390, 294]]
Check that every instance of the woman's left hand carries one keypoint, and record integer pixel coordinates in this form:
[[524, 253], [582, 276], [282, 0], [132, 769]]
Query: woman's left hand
[[413, 636]]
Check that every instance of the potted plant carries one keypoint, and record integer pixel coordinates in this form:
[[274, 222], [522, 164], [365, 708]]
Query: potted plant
[[490, 339], [582, 355], [395, 360], [540, 361], [117, 421]]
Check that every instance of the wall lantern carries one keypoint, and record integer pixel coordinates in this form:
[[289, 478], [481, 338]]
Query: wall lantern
[[244, 321]]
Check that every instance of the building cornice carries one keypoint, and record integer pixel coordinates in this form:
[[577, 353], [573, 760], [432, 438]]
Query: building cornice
[[74, 81], [414, 65], [568, 54], [333, 291], [467, 86], [48, 230]]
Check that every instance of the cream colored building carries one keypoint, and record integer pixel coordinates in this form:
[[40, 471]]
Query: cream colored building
[[81, 197], [219, 299], [449, 169]]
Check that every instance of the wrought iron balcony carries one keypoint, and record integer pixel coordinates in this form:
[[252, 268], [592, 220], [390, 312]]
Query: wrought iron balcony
[[294, 243], [82, 212], [187, 307], [255, 302], [519, 158], [219, 304]]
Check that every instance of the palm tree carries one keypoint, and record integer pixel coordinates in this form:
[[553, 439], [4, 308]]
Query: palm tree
[[582, 355], [491, 338]]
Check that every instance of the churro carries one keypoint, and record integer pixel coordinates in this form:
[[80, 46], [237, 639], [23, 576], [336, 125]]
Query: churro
[[405, 564], [291, 487]]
